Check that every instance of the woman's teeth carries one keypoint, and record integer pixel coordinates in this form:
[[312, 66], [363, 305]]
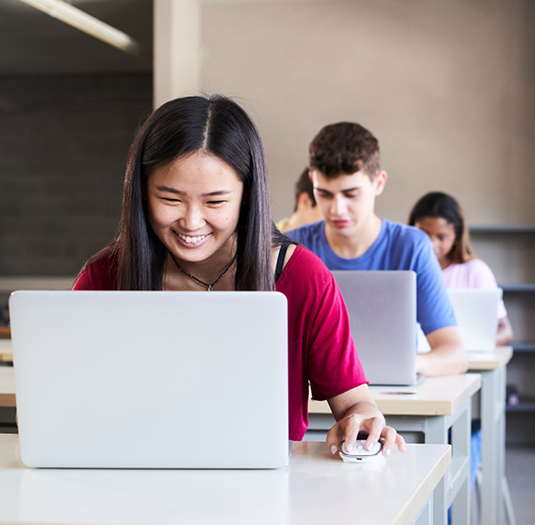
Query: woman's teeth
[[192, 240]]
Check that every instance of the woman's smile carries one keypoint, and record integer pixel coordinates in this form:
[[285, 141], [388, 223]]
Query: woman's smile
[[192, 240]]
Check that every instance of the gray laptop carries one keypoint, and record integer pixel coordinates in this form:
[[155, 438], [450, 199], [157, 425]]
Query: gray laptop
[[476, 311], [151, 379], [382, 315]]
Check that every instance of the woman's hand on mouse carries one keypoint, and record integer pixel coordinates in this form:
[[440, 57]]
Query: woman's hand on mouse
[[356, 411]]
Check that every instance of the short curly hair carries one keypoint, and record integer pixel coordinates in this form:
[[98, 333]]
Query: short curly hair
[[344, 148]]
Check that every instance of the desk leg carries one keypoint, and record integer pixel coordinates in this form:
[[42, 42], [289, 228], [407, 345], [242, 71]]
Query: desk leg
[[490, 455], [436, 431], [456, 482], [495, 500], [460, 485], [426, 515], [455, 486]]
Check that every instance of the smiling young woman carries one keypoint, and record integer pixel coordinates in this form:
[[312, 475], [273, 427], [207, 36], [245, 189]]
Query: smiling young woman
[[196, 216]]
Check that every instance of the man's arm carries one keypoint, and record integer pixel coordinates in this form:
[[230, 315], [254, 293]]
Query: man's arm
[[447, 355]]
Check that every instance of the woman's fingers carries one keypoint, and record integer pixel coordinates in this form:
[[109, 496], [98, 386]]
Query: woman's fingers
[[346, 430]]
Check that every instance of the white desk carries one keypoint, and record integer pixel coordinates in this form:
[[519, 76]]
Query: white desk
[[6, 350], [495, 499], [431, 408], [7, 399], [315, 488], [7, 387], [439, 397]]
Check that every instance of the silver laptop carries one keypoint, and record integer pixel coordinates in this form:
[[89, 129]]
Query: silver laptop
[[476, 311], [382, 315], [151, 379]]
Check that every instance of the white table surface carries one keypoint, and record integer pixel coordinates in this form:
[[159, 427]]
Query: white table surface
[[431, 407], [315, 487], [498, 358], [437, 396], [7, 387], [6, 350]]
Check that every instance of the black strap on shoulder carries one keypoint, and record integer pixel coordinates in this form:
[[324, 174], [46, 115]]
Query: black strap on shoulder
[[280, 260]]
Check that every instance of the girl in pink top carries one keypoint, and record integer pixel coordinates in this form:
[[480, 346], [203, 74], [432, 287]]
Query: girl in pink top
[[441, 217]]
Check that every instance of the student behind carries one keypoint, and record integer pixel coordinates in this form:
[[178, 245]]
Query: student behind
[[345, 171], [196, 216], [440, 216], [305, 210]]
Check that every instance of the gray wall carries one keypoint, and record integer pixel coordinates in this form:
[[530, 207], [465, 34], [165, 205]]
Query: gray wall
[[447, 87], [63, 146]]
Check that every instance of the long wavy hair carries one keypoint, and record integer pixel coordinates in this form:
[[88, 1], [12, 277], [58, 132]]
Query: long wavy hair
[[218, 126], [441, 205]]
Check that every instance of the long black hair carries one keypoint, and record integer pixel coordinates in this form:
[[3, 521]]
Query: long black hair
[[216, 125], [441, 205]]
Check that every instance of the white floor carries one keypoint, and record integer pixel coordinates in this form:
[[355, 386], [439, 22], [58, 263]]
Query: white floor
[[520, 471]]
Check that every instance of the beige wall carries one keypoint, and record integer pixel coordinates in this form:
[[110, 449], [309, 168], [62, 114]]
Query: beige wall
[[447, 87]]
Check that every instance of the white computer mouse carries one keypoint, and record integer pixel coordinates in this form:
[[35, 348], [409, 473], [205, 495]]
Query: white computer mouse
[[359, 453]]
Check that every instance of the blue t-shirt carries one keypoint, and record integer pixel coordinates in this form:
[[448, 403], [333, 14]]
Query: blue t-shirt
[[398, 247]]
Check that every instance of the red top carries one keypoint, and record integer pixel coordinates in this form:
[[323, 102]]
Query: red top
[[320, 346]]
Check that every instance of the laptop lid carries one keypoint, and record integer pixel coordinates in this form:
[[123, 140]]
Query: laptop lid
[[151, 379], [476, 311], [382, 316]]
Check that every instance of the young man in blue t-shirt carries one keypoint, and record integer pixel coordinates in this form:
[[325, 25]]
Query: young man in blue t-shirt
[[345, 171]]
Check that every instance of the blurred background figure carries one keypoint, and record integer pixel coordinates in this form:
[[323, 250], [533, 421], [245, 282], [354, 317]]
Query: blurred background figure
[[441, 217], [305, 210]]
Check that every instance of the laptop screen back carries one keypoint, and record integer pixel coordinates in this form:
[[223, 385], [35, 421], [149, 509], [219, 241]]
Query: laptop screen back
[[382, 315], [476, 311], [151, 379]]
